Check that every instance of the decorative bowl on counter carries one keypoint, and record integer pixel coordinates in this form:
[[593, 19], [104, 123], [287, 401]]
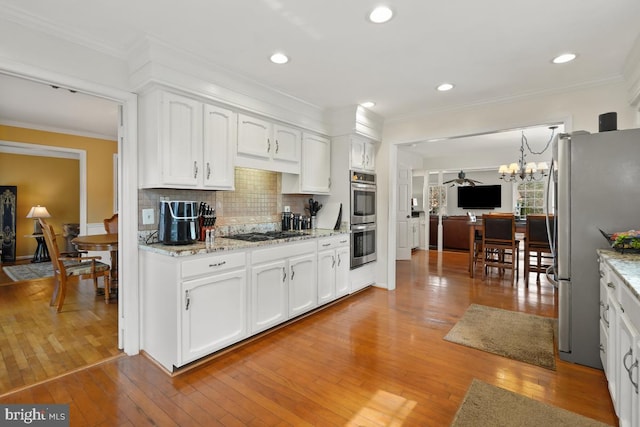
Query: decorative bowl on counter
[[624, 241]]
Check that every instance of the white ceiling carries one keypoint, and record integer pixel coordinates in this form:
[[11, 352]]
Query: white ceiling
[[491, 49]]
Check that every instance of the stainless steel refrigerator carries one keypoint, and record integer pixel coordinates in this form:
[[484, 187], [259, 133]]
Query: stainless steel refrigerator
[[597, 184]]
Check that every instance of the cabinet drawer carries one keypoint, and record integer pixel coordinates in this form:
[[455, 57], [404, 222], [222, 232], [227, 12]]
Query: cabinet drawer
[[630, 304], [333, 242], [212, 264], [283, 251]]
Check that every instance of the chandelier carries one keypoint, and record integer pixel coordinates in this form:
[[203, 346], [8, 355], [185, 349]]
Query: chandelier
[[522, 170]]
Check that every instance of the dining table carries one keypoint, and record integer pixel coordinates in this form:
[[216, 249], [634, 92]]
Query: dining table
[[101, 242], [521, 226]]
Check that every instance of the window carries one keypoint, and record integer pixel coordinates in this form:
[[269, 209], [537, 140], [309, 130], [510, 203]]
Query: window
[[531, 198]]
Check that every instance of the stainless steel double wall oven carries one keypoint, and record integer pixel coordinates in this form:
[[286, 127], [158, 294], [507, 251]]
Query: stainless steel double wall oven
[[363, 218]]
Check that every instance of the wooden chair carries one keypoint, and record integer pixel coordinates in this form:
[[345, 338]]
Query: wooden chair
[[536, 243], [111, 224], [499, 244], [65, 267]]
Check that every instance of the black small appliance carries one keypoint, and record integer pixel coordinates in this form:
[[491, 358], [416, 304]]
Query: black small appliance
[[178, 222]]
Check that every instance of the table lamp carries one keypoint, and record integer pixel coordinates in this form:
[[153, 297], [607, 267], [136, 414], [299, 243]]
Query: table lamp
[[35, 213]]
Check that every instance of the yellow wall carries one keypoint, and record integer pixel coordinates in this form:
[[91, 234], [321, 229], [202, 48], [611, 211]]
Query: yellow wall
[[48, 181]]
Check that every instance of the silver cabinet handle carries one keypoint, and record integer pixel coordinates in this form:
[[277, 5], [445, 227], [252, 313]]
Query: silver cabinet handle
[[326, 244], [333, 264], [268, 145], [293, 273], [195, 169], [208, 170], [218, 264], [604, 315], [284, 274], [187, 300], [611, 285], [630, 369], [277, 146], [343, 241], [339, 260], [602, 348]]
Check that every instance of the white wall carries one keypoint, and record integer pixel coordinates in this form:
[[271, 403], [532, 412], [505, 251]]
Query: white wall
[[578, 109]]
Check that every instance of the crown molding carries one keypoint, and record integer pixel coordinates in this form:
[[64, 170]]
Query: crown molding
[[155, 62]]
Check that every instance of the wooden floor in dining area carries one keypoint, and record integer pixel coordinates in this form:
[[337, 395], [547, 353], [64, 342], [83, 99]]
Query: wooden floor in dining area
[[377, 358], [37, 343]]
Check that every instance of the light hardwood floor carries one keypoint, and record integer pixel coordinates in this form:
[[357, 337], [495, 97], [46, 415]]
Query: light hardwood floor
[[377, 358], [37, 343]]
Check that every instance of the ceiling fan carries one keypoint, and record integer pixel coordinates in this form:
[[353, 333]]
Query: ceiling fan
[[461, 180]]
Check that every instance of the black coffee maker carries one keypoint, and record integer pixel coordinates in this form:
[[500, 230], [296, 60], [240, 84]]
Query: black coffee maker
[[178, 222]]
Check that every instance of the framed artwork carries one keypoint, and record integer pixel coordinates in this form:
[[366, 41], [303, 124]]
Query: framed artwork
[[8, 197]]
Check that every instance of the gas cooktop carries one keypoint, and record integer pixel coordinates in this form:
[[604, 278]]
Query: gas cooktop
[[269, 235]]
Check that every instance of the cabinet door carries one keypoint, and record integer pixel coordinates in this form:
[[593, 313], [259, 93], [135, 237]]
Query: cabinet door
[[326, 276], [303, 286], [254, 137], [357, 154], [268, 295], [287, 144], [316, 165], [181, 140], [343, 259], [214, 313], [627, 398], [369, 156], [612, 315], [220, 134]]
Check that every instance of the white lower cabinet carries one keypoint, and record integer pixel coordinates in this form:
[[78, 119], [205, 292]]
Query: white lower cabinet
[[620, 341], [192, 306], [302, 284], [214, 313], [269, 296], [333, 268], [275, 294], [195, 305]]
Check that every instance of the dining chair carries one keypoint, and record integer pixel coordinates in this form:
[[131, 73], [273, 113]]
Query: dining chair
[[499, 243], [78, 267], [536, 243], [111, 224]]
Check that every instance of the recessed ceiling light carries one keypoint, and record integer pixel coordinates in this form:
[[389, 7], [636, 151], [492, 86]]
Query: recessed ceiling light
[[279, 58], [380, 15], [445, 87], [368, 104], [564, 58]]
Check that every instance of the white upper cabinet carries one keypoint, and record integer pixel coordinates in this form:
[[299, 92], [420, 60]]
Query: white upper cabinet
[[363, 154], [185, 143], [266, 145], [180, 139], [315, 173], [220, 133]]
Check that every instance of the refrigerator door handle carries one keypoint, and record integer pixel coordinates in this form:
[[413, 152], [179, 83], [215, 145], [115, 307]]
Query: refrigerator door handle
[[564, 316]]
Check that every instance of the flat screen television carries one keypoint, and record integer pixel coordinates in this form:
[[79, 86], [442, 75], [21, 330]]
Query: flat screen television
[[480, 197]]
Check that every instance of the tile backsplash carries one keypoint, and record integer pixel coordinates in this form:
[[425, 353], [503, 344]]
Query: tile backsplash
[[256, 201]]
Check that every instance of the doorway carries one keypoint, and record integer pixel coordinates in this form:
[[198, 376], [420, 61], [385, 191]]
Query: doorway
[[126, 124]]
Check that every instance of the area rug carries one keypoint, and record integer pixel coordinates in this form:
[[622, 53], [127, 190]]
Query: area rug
[[29, 271], [488, 405], [518, 336]]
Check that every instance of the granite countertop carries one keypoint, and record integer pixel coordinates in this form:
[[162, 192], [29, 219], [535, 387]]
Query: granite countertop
[[627, 265], [223, 244]]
